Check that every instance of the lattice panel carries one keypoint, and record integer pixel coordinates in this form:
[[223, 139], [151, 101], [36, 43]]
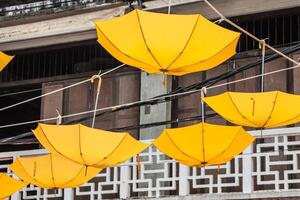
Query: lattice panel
[[224, 178], [105, 185], [33, 192], [270, 164], [158, 175], [276, 163]]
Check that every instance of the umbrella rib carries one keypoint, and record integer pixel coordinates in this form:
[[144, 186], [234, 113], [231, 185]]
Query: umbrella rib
[[271, 110], [72, 179], [228, 145], [202, 135], [178, 56], [105, 158], [51, 168], [120, 50], [80, 146], [139, 22], [239, 111], [30, 176], [66, 157], [207, 58], [181, 150], [276, 124]]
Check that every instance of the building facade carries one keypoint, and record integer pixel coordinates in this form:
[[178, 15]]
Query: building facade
[[55, 43]]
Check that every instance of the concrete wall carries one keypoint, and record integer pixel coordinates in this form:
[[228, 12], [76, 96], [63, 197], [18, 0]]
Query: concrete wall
[[80, 27]]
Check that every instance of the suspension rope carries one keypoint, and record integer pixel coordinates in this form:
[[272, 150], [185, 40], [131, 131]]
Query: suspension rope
[[147, 100], [248, 33], [58, 90]]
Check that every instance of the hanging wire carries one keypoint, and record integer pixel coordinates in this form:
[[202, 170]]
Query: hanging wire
[[126, 128], [20, 92], [58, 90], [205, 83], [150, 100]]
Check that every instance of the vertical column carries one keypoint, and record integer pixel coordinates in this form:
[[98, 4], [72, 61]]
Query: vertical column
[[152, 85], [124, 186], [184, 188], [247, 170], [68, 194]]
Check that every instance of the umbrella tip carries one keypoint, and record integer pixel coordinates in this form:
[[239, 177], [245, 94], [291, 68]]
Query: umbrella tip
[[163, 70]]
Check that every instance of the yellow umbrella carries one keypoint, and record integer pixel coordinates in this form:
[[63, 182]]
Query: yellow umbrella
[[203, 144], [9, 185], [88, 146], [49, 171], [258, 110], [4, 60], [164, 43]]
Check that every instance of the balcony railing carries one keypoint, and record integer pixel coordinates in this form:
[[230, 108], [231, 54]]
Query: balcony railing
[[48, 6], [268, 168]]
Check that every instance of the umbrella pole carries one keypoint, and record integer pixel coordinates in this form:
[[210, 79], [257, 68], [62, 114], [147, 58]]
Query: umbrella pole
[[262, 45], [203, 92], [169, 6]]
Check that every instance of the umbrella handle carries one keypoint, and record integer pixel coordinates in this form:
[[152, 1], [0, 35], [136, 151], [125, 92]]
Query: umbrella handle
[[97, 95], [165, 80]]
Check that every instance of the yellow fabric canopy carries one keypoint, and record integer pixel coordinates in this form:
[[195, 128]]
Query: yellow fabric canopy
[[9, 186], [259, 110], [88, 146], [4, 60], [164, 43], [203, 144], [50, 171]]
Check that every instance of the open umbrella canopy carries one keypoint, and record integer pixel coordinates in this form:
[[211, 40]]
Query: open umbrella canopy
[[203, 144], [4, 60], [164, 43], [258, 110], [9, 185], [50, 171], [88, 146]]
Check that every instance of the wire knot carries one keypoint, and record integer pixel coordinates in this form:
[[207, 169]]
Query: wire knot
[[262, 43]]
